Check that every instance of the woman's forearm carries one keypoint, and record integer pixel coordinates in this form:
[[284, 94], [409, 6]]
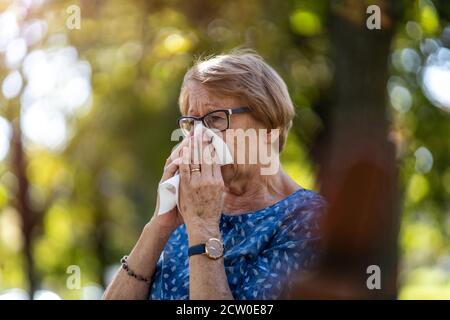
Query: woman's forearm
[[207, 277], [142, 260]]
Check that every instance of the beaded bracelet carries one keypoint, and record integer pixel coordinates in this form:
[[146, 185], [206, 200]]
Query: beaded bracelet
[[130, 272]]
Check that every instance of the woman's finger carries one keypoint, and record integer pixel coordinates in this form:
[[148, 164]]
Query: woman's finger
[[207, 161], [184, 167], [215, 168], [197, 146], [176, 153], [170, 169]]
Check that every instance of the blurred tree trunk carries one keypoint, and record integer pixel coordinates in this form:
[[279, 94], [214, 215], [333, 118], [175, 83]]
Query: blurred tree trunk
[[27, 214], [358, 174]]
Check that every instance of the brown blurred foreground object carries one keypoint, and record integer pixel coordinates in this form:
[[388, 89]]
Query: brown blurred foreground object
[[358, 173]]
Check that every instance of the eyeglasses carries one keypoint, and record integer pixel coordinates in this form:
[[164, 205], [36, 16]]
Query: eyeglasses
[[217, 120]]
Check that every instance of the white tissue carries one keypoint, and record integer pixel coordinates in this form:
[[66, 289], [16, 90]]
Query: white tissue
[[168, 190]]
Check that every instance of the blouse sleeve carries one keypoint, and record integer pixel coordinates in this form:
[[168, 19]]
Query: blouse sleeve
[[293, 249]]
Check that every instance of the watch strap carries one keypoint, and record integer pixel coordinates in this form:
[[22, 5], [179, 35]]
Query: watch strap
[[197, 249]]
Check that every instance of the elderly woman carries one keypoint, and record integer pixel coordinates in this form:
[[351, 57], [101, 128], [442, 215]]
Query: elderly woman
[[236, 233]]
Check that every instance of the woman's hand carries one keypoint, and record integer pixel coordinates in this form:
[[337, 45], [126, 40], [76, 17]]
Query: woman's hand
[[169, 221], [201, 192]]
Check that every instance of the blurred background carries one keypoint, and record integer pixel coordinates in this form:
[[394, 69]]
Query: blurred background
[[86, 116]]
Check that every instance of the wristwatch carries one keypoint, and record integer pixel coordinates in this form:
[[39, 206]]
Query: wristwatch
[[213, 249]]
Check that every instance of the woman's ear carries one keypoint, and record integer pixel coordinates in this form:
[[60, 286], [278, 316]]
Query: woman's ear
[[269, 153], [272, 136]]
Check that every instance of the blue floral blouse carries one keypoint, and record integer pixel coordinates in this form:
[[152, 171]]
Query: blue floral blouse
[[262, 249]]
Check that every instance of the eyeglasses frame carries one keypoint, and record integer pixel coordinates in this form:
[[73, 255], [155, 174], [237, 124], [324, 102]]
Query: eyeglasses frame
[[228, 112]]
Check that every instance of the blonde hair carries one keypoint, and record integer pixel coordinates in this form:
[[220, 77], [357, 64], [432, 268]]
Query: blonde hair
[[245, 74]]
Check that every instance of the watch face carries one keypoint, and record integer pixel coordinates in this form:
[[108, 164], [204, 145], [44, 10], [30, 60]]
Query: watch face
[[214, 248]]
